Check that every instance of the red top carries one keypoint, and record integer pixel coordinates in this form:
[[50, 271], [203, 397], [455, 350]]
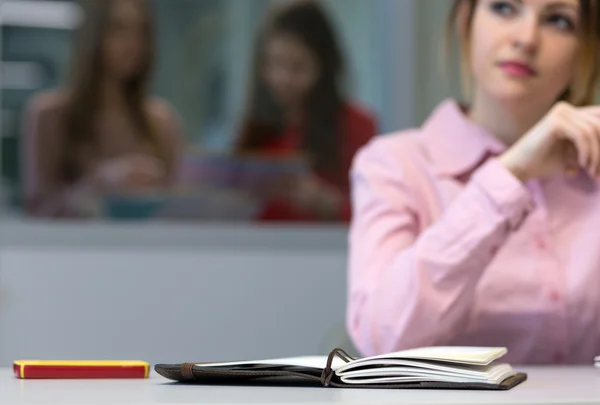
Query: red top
[[358, 127]]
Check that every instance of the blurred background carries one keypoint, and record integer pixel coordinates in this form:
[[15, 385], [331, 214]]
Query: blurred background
[[203, 72], [226, 240]]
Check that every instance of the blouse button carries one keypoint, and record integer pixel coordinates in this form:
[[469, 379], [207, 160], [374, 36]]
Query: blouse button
[[540, 243], [555, 296]]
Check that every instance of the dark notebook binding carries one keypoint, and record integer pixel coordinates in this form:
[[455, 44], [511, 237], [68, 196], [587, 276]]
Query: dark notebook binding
[[187, 371]]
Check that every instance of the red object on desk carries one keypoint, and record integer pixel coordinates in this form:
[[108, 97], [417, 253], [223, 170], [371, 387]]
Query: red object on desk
[[79, 369]]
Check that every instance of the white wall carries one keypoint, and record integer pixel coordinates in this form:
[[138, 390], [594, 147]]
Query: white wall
[[436, 76], [170, 301], [379, 40]]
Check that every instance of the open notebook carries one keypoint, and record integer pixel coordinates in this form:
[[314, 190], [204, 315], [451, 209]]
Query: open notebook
[[430, 367]]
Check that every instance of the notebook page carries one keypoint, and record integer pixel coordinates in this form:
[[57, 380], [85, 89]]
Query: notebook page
[[400, 371], [496, 375], [375, 366], [397, 380], [455, 354], [318, 362]]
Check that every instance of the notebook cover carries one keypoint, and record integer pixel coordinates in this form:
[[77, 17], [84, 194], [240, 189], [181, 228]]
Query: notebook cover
[[300, 376]]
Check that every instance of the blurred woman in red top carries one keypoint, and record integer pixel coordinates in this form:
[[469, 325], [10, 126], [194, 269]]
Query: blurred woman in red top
[[296, 107]]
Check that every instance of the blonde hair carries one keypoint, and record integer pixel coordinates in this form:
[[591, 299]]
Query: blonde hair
[[583, 89]]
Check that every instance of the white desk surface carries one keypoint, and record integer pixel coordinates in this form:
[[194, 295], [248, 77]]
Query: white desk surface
[[548, 386]]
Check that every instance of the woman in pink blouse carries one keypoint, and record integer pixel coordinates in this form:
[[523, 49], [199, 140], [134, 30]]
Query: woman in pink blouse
[[102, 133], [483, 226]]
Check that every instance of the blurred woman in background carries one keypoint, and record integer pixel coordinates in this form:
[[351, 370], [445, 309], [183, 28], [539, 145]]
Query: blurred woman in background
[[102, 133], [296, 107]]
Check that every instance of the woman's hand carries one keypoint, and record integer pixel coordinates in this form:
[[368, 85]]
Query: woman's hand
[[567, 139], [129, 173], [310, 193]]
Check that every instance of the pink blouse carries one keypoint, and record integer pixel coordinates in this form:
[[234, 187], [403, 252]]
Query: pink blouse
[[448, 248]]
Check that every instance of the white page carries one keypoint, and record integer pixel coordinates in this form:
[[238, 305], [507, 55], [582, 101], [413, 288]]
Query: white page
[[318, 362], [408, 372], [498, 375], [492, 373], [418, 366], [456, 354], [396, 380], [388, 380]]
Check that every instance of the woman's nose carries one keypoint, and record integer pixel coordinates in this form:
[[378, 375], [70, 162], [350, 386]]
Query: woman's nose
[[526, 33]]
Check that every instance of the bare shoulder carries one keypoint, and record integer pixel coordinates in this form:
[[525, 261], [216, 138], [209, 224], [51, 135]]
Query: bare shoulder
[[166, 122], [46, 103], [161, 111]]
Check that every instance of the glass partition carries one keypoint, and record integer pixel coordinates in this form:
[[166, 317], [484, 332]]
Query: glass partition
[[240, 121]]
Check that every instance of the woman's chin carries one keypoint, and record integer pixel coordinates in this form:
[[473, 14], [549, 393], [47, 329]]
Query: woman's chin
[[519, 96], [521, 93]]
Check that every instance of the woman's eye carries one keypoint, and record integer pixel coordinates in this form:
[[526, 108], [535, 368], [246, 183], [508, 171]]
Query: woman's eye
[[562, 22], [502, 8]]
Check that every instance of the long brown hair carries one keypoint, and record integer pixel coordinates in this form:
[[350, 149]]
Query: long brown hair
[[308, 22], [84, 91], [583, 89]]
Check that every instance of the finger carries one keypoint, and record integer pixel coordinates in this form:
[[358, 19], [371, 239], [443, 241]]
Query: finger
[[569, 158], [141, 158], [141, 180], [593, 110], [148, 165], [154, 171], [593, 119], [587, 131], [581, 142], [593, 123], [111, 174]]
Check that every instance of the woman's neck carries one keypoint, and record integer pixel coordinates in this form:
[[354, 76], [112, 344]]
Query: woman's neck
[[506, 120], [112, 96], [294, 115]]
